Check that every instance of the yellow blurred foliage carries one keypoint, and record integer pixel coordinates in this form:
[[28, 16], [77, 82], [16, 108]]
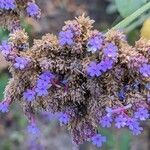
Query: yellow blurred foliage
[[145, 31]]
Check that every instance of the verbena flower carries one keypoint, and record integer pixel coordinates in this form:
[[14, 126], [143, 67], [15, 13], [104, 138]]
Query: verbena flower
[[145, 70], [66, 37], [142, 114], [93, 69], [4, 107], [5, 48], [7, 4], [41, 90], [110, 50], [133, 125], [105, 65], [33, 129], [63, 118], [33, 10], [21, 63], [95, 43], [120, 121], [98, 140], [29, 95], [106, 121]]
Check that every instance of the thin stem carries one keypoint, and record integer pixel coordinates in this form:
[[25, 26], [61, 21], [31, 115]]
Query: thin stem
[[132, 17]]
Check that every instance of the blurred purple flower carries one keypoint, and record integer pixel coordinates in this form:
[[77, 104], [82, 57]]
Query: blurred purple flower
[[133, 125], [33, 10], [106, 121], [93, 69], [4, 107], [120, 121], [142, 114], [98, 139], [7, 4], [95, 43], [5, 48], [47, 76], [145, 70], [63, 118], [33, 129], [66, 37], [21, 63], [29, 95], [110, 50]]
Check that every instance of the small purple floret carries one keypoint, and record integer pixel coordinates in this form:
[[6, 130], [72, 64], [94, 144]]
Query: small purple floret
[[4, 107], [66, 37], [93, 69], [106, 121], [120, 121], [33, 10], [5, 48], [41, 91], [98, 140], [7, 4], [63, 118], [29, 95], [110, 50], [141, 114], [145, 70], [95, 43], [21, 63]]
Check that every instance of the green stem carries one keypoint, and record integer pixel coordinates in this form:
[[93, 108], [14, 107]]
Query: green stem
[[132, 17]]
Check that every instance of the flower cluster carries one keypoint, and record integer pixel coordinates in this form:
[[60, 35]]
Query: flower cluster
[[7, 4], [87, 79]]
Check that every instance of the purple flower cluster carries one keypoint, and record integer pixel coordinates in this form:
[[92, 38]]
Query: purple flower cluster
[[44, 83], [7, 4], [123, 120], [145, 70], [33, 10], [96, 69], [98, 140], [66, 37], [110, 50], [5, 48], [4, 107], [21, 63], [95, 43]]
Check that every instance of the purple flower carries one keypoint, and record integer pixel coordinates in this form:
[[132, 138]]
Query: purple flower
[[134, 126], [110, 50], [5, 48], [41, 90], [95, 43], [145, 70], [93, 69], [120, 121], [105, 65], [66, 37], [33, 10], [63, 118], [98, 139], [7, 4], [4, 107], [29, 95], [33, 129], [21, 63], [46, 77], [142, 114], [43, 83], [106, 121]]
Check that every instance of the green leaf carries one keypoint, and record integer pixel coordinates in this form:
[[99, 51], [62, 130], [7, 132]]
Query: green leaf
[[127, 7], [3, 83]]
